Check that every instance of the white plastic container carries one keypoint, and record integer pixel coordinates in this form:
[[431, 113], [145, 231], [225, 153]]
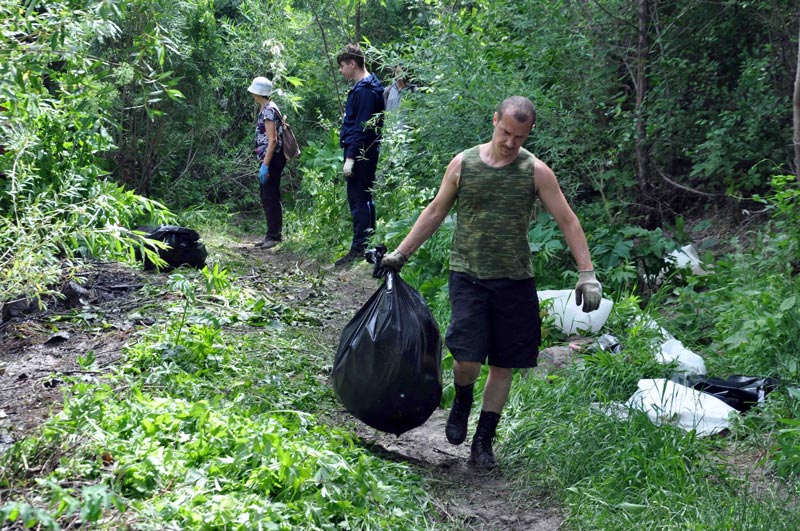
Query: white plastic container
[[569, 317]]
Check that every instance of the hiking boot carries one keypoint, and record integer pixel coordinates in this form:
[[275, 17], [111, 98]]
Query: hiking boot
[[456, 429], [481, 454], [351, 256], [269, 243]]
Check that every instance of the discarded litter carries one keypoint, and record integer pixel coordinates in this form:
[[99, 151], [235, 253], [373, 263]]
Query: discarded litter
[[568, 316], [689, 400], [687, 257], [185, 248], [668, 402], [387, 372], [688, 363], [739, 392], [670, 350], [609, 343]]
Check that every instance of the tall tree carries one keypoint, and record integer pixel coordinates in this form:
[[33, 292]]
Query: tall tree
[[641, 83], [796, 113]]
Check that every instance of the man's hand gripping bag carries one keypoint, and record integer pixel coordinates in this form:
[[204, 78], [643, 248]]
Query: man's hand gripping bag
[[387, 371]]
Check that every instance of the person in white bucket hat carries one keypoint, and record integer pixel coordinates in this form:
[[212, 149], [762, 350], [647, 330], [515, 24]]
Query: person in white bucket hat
[[269, 150]]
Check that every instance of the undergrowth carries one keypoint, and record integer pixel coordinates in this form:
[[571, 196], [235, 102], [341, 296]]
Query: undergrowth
[[209, 423]]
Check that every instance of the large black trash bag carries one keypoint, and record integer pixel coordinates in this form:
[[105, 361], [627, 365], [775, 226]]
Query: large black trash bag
[[387, 371], [739, 392], [185, 248]]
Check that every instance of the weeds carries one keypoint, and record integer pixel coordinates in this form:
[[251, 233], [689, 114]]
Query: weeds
[[209, 423]]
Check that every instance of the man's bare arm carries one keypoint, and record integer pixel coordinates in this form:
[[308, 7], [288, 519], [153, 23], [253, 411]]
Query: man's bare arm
[[432, 216], [553, 199]]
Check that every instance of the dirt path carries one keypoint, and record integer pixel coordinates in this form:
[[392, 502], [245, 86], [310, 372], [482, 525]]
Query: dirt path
[[35, 348], [38, 349]]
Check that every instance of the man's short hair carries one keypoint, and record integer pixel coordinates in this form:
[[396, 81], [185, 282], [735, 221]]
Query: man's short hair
[[520, 107], [351, 52]]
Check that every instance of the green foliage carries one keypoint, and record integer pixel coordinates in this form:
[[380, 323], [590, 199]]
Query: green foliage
[[562, 435], [547, 246], [41, 230], [733, 96], [55, 126], [783, 202], [631, 254], [165, 82], [162, 56], [321, 217], [746, 314], [211, 428]]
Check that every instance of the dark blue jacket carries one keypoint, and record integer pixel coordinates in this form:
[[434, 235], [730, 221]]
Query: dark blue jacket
[[364, 101]]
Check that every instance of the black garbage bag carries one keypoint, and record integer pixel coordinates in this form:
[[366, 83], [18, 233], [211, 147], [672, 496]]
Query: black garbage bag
[[739, 392], [387, 372], [185, 248]]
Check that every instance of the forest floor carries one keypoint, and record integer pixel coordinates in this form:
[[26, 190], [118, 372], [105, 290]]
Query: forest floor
[[37, 350]]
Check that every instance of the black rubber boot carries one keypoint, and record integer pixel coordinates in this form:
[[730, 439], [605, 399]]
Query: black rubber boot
[[456, 429], [481, 454]]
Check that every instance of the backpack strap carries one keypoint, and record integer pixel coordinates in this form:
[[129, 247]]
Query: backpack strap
[[277, 110]]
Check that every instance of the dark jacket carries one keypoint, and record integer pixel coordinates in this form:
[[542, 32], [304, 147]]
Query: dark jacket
[[364, 101]]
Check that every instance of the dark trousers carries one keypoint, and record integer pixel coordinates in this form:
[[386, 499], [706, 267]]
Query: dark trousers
[[359, 196], [271, 196]]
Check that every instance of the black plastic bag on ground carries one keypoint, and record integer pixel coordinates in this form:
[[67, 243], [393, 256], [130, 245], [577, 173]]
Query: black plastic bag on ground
[[387, 372], [185, 248], [739, 392]]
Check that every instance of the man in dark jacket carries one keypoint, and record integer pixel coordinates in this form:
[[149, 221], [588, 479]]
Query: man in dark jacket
[[360, 137]]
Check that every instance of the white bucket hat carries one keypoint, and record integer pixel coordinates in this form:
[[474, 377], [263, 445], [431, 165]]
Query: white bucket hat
[[261, 86]]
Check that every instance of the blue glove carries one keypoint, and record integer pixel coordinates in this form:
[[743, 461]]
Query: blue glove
[[263, 173]]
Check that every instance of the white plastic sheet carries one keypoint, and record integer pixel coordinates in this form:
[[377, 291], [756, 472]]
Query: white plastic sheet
[[687, 256], [689, 363], [569, 317], [668, 402]]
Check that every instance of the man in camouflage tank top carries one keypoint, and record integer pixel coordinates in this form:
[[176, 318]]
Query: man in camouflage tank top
[[495, 309]]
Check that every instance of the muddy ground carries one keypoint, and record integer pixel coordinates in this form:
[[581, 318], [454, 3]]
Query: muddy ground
[[100, 315]]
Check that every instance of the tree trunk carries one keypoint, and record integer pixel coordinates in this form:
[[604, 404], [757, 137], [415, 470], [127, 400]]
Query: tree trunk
[[328, 52], [796, 114], [642, 155], [358, 22]]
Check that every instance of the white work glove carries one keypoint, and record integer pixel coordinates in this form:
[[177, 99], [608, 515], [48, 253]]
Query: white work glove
[[394, 261], [588, 291], [348, 167]]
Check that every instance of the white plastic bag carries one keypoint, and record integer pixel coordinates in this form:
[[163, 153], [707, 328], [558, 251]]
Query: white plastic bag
[[646, 321], [569, 317], [689, 363], [667, 402], [687, 256]]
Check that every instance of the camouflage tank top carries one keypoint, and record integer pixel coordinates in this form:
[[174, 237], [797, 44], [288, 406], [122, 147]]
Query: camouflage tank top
[[494, 209]]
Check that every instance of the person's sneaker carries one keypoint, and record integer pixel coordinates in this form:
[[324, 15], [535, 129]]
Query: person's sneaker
[[351, 256]]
